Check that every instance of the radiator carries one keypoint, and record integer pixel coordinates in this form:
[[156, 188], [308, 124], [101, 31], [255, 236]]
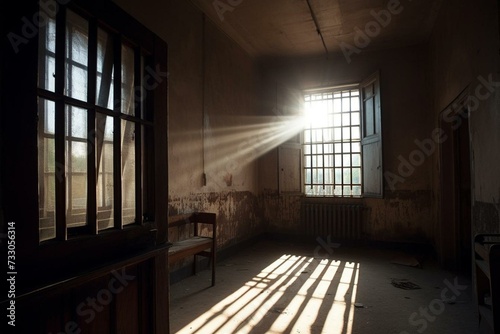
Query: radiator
[[337, 221]]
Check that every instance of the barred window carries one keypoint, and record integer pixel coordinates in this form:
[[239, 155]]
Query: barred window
[[332, 143]]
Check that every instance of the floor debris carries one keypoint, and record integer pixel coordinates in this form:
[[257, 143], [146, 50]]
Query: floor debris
[[404, 284]]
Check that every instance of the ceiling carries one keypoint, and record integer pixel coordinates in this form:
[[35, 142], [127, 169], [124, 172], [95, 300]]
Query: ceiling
[[286, 28]]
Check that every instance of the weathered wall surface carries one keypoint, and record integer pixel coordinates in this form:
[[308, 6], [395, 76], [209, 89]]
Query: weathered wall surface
[[464, 54], [212, 93], [405, 212]]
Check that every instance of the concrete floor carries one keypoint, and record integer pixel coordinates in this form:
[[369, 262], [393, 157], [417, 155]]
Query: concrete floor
[[282, 287]]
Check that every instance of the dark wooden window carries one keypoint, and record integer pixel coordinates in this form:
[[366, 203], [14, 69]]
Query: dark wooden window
[[84, 138], [92, 128]]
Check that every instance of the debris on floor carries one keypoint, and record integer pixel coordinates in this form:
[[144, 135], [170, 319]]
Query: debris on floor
[[407, 260], [359, 305], [404, 284]]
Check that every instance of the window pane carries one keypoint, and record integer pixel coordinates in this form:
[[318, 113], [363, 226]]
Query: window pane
[[128, 80], [347, 191], [355, 118], [347, 175], [338, 160], [128, 172], [337, 105], [346, 104], [346, 119], [104, 161], [356, 147], [356, 190], [46, 53], [46, 170], [356, 175], [76, 166], [355, 133], [356, 160], [76, 56], [338, 175], [354, 103], [105, 70], [346, 134], [307, 161], [308, 176], [328, 160]]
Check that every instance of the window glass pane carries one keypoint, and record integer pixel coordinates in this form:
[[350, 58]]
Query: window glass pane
[[346, 160], [347, 175], [104, 161], [329, 177], [356, 160], [128, 172], [355, 133], [346, 119], [338, 175], [338, 160], [356, 190], [337, 119], [308, 176], [356, 175], [347, 191], [328, 135], [76, 56], [346, 133], [355, 118], [337, 134], [46, 53], [328, 160], [76, 166], [329, 190], [105, 70], [354, 103], [356, 147], [128, 102], [346, 104], [328, 148], [46, 170]]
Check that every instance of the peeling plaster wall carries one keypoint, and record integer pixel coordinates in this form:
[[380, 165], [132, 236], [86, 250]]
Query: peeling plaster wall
[[405, 213], [464, 47], [212, 95]]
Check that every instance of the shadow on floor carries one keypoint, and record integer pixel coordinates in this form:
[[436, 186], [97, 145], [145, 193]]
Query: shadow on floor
[[280, 287]]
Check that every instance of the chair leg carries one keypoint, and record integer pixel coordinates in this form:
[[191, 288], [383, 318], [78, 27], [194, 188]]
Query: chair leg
[[213, 267]]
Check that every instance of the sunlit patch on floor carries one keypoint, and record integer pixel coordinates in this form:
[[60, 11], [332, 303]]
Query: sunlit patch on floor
[[293, 294]]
